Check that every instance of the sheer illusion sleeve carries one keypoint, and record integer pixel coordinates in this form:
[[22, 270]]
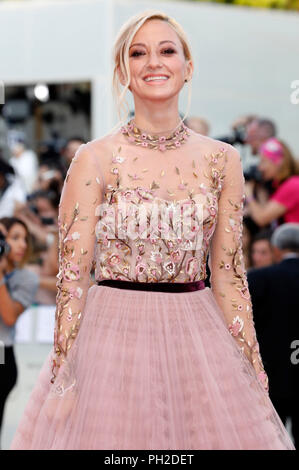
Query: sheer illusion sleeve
[[76, 222], [228, 276]]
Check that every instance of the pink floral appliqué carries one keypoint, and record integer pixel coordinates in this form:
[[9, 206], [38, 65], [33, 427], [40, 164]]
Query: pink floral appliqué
[[71, 272], [236, 326]]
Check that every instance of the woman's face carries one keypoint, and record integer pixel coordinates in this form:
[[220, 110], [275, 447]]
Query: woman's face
[[17, 240], [261, 254], [268, 169], [157, 63]]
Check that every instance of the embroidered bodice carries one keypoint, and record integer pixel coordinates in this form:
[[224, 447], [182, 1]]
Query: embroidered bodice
[[142, 215]]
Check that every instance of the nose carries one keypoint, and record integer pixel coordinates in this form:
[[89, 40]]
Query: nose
[[23, 244], [154, 60]]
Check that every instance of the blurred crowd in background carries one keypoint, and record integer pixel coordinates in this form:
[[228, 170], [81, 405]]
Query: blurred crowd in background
[[30, 189], [31, 184]]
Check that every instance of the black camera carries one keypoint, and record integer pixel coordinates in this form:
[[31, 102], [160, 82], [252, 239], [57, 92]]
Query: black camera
[[253, 174], [4, 246], [47, 220], [238, 136]]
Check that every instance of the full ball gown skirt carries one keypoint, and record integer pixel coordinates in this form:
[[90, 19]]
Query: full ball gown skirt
[[154, 370]]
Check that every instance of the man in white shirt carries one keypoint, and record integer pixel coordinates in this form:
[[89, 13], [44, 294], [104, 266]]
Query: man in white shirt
[[12, 190], [24, 161]]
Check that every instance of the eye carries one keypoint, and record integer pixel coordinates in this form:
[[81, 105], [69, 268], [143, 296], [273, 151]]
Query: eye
[[137, 53], [169, 51]]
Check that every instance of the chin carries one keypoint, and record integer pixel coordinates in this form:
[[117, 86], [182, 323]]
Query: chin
[[159, 94], [163, 91]]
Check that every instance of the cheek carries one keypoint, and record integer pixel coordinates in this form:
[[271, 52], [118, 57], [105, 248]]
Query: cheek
[[179, 67], [265, 168], [135, 69], [272, 170]]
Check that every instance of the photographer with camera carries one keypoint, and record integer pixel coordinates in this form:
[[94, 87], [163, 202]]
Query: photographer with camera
[[250, 130], [18, 287], [279, 167], [257, 131], [40, 214], [49, 171], [41, 217], [70, 148]]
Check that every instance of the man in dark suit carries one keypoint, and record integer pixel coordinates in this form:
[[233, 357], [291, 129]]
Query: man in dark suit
[[275, 297]]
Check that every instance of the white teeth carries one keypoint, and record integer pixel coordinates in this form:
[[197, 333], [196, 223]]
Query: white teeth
[[148, 79]]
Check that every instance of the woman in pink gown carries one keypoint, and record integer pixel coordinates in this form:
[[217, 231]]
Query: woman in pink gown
[[148, 357]]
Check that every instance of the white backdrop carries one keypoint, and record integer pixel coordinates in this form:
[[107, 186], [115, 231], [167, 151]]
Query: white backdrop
[[246, 58]]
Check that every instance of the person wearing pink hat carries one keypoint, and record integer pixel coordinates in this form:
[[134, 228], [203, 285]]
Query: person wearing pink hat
[[278, 165]]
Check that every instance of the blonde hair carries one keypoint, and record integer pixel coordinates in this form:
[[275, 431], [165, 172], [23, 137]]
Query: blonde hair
[[121, 55]]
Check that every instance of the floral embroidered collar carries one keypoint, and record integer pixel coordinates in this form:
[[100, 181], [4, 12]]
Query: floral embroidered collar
[[164, 142]]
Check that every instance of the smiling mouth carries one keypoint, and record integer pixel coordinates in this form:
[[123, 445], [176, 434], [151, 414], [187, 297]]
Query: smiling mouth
[[152, 78]]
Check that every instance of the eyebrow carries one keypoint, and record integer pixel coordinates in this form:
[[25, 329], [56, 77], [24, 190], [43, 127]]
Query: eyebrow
[[161, 42]]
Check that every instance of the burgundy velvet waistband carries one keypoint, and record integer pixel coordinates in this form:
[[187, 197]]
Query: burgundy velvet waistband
[[154, 286]]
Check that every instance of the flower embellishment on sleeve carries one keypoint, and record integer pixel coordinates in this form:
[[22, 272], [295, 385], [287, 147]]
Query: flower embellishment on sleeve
[[216, 172]]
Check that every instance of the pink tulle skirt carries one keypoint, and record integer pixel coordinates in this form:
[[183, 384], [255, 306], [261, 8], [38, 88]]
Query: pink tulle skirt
[[153, 370]]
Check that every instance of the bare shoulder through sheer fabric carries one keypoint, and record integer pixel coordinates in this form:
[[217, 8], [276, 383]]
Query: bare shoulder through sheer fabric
[[205, 177]]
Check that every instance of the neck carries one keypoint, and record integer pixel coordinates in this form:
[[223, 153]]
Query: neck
[[156, 117]]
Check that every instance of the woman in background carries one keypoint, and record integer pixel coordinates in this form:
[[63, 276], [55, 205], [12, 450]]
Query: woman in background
[[17, 291], [277, 164]]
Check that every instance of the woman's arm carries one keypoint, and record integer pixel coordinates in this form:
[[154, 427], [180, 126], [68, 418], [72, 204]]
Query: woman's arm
[[48, 282], [17, 293], [81, 195], [9, 308], [228, 276], [36, 229], [262, 214]]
